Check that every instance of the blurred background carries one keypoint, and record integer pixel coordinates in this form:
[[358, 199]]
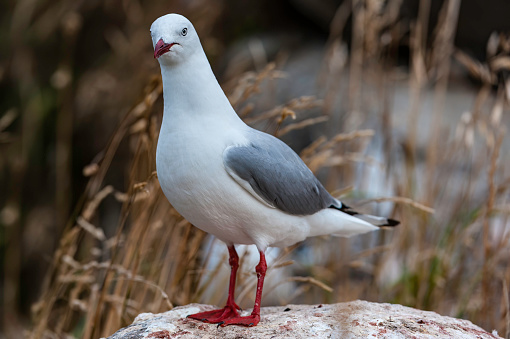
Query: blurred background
[[400, 107]]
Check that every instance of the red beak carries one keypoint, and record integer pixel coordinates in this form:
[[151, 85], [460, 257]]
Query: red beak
[[161, 48]]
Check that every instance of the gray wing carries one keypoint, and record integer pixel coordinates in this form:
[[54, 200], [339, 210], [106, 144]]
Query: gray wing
[[276, 175]]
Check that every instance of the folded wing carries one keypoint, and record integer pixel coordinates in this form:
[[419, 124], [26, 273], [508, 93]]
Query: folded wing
[[272, 172]]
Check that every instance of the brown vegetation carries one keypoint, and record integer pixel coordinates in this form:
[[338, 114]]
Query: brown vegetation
[[123, 250]]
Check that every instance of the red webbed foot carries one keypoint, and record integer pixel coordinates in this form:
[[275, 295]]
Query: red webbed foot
[[217, 316], [250, 320], [229, 314]]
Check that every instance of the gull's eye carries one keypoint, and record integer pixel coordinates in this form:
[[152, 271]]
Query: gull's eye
[[184, 31]]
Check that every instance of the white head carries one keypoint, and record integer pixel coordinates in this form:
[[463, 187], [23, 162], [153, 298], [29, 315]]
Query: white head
[[174, 39]]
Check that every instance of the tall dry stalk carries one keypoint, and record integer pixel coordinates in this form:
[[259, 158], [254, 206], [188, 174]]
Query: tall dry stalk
[[449, 255]]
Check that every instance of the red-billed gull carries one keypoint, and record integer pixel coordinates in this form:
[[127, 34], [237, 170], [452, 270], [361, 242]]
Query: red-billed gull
[[239, 184]]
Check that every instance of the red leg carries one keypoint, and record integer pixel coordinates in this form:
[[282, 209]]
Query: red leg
[[230, 309], [254, 318]]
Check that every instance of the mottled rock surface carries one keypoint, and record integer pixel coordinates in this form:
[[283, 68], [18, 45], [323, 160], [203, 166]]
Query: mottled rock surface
[[356, 319]]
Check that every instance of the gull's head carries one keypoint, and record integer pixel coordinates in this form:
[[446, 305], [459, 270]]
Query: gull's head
[[174, 39]]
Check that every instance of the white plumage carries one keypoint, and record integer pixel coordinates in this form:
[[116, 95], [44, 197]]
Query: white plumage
[[239, 184]]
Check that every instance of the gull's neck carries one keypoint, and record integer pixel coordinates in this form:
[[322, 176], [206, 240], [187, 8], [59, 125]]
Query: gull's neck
[[190, 90]]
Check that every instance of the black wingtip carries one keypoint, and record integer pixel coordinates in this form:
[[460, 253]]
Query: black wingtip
[[391, 223], [344, 208]]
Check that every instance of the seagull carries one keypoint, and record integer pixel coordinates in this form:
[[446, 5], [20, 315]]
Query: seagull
[[239, 184]]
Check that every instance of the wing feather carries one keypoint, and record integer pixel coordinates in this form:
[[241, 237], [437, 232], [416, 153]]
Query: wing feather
[[272, 172]]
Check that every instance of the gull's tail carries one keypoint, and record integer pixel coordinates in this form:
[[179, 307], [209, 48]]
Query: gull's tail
[[340, 220], [371, 219]]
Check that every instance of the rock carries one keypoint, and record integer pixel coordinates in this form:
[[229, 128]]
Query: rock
[[356, 319]]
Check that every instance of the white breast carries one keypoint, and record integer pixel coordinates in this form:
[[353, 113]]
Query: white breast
[[194, 180], [192, 176]]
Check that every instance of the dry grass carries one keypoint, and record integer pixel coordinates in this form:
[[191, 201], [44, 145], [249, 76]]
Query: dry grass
[[450, 255]]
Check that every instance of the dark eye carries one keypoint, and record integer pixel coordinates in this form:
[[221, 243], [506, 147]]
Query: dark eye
[[184, 31]]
